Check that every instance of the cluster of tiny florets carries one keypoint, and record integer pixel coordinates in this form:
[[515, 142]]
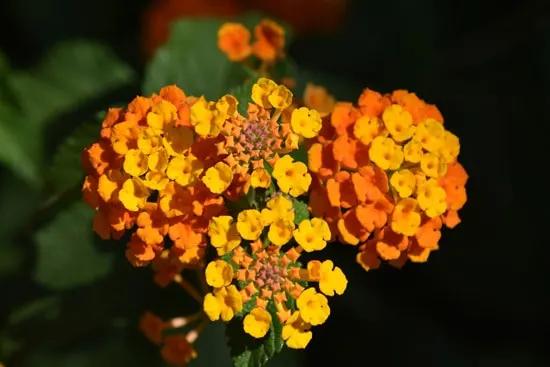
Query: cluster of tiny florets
[[197, 184], [386, 177]]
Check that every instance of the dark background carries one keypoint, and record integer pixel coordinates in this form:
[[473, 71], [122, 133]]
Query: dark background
[[480, 299]]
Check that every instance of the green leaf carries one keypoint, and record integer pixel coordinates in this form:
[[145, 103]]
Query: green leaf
[[191, 58], [67, 256], [20, 145], [228, 257], [249, 305], [243, 93], [272, 188], [66, 169], [276, 332], [290, 302], [247, 351], [73, 73], [300, 155], [252, 198], [301, 211], [268, 168], [17, 151], [47, 307], [18, 204]]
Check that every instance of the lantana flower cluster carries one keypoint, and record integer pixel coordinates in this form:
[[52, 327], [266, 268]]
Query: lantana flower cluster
[[386, 177], [145, 177], [203, 186], [258, 276], [260, 55], [234, 39], [324, 16], [197, 185]]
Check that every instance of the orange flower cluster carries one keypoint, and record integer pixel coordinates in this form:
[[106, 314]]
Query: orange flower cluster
[[176, 349], [234, 41], [325, 15], [386, 177], [142, 175]]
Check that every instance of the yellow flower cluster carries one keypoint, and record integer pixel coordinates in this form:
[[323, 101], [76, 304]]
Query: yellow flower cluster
[[258, 277], [245, 144]]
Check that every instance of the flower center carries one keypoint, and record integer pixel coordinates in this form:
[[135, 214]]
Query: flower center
[[271, 274], [256, 136]]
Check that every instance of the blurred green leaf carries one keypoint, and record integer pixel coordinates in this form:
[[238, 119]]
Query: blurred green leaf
[[72, 73], [243, 93], [47, 307], [20, 144], [66, 170], [67, 256], [17, 205], [191, 59], [247, 351], [8, 346]]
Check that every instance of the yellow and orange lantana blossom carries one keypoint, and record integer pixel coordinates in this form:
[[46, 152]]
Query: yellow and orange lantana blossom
[[144, 173], [256, 276], [165, 170], [234, 40], [386, 177], [203, 185], [322, 16]]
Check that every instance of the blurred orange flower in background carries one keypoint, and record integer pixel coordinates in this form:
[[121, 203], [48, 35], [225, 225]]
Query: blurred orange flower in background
[[305, 16]]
